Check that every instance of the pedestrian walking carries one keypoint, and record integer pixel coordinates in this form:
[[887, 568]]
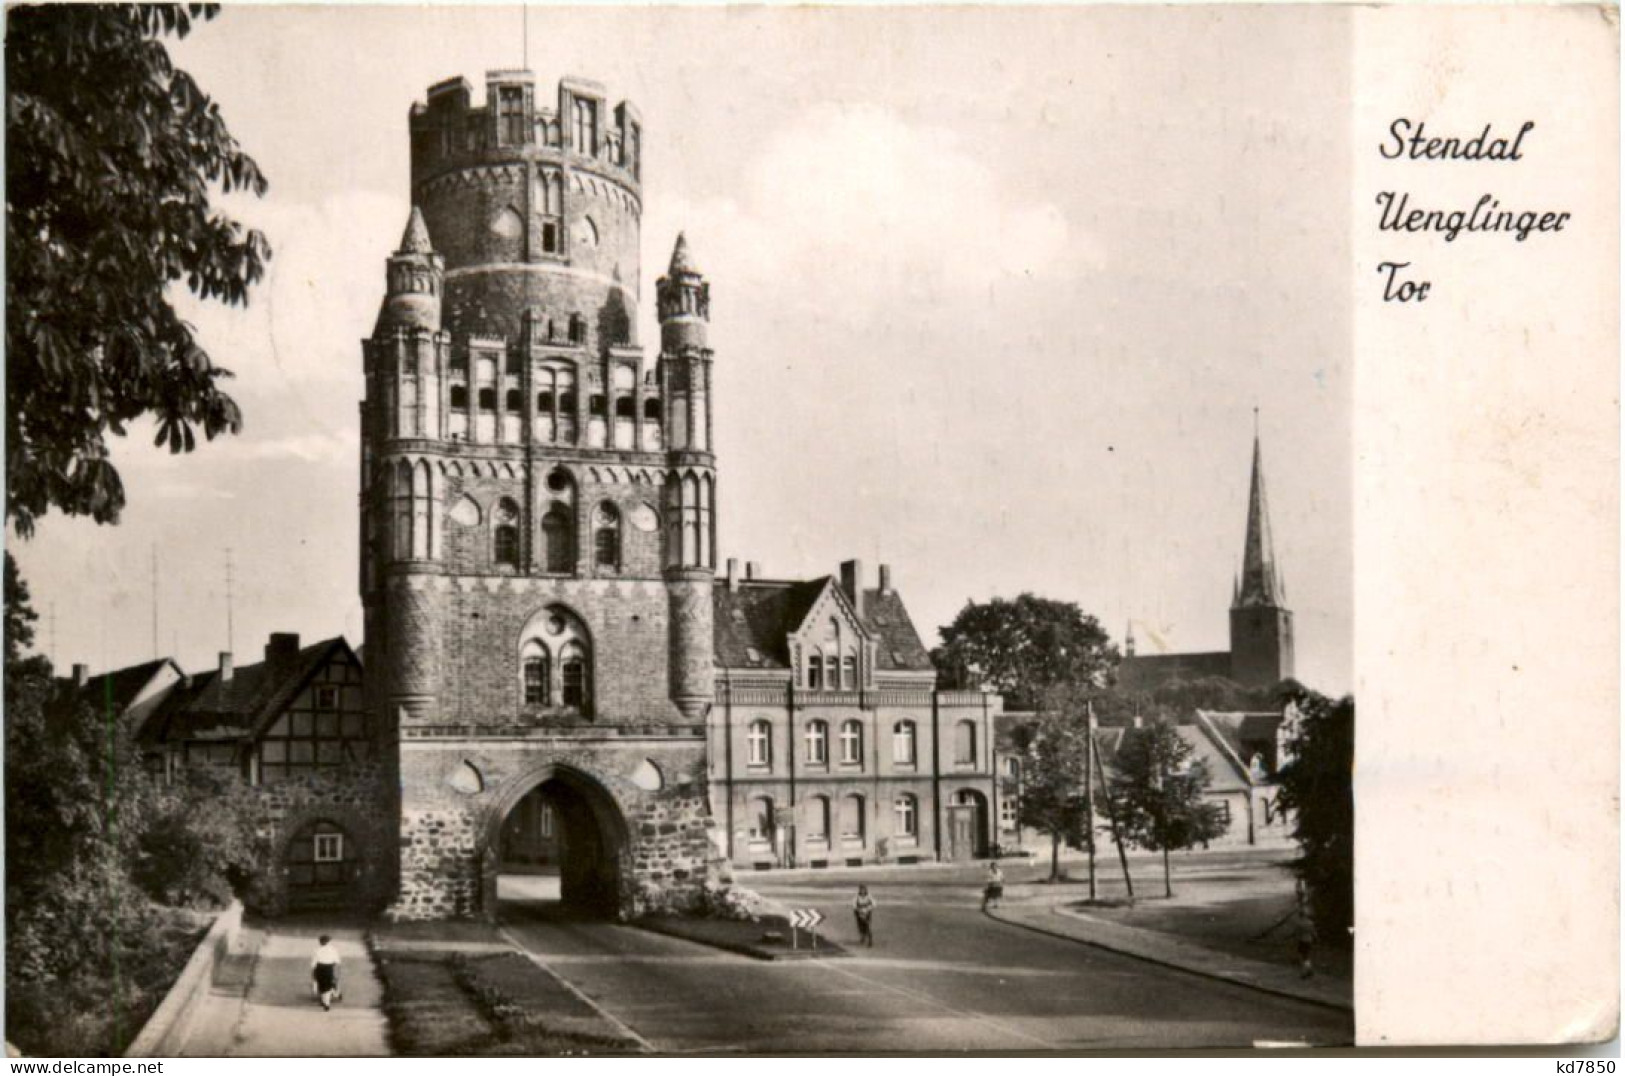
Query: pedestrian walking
[[324, 973], [863, 909], [993, 892]]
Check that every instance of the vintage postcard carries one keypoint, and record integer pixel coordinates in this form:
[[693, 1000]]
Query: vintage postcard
[[549, 531]]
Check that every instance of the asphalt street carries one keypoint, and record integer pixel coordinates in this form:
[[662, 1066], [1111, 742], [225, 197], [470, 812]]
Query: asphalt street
[[942, 976]]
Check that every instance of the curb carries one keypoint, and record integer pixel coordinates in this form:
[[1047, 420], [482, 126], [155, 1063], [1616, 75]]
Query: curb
[[741, 948], [1202, 973], [171, 1022]]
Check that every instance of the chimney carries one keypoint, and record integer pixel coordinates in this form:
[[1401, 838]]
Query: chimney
[[282, 647], [885, 579], [733, 573], [225, 666], [753, 569], [81, 675], [852, 583]]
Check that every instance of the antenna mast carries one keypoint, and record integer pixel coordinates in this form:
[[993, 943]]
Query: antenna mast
[[229, 633], [155, 601]]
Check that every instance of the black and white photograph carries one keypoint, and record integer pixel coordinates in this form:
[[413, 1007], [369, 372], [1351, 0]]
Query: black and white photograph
[[598, 531]]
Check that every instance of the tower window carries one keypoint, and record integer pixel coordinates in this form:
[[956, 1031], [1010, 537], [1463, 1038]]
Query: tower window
[[537, 688], [488, 399], [550, 237], [651, 410], [556, 538], [567, 404], [511, 109], [626, 407], [573, 676], [544, 402], [459, 396], [607, 536], [516, 400], [595, 406], [515, 363], [505, 543], [578, 329], [586, 117]]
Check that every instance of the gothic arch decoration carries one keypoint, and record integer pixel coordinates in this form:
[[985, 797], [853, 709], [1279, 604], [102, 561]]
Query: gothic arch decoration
[[508, 224], [557, 632]]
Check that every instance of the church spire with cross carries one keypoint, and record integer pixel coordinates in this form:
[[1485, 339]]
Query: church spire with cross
[[1261, 643]]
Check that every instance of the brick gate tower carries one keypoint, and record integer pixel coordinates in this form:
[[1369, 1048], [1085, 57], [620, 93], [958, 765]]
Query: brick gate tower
[[537, 508]]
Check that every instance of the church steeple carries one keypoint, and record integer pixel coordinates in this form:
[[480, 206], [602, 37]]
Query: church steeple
[[1261, 643], [1260, 583]]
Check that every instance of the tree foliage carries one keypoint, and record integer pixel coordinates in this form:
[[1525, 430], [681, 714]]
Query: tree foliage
[[1158, 790], [1054, 760], [112, 154], [1023, 648], [1317, 786]]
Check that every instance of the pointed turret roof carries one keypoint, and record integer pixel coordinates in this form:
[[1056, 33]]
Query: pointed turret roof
[[415, 240], [1260, 582], [681, 260]]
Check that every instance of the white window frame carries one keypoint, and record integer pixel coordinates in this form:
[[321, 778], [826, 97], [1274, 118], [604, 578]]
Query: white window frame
[[905, 732], [759, 743], [851, 743], [328, 848], [817, 737], [1008, 813], [907, 812]]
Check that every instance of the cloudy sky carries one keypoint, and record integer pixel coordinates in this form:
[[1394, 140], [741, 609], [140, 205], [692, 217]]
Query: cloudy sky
[[995, 293]]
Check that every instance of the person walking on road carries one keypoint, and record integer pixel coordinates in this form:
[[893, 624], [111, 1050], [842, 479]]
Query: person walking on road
[[993, 893], [324, 972], [863, 909]]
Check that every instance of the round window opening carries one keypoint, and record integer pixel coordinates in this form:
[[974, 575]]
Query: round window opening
[[558, 481], [555, 624]]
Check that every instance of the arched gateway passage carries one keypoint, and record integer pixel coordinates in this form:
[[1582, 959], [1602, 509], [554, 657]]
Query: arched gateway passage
[[557, 846]]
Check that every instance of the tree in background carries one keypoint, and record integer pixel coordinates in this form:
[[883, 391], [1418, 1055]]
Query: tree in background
[[1023, 648], [1054, 756], [1158, 790], [112, 155], [1317, 786]]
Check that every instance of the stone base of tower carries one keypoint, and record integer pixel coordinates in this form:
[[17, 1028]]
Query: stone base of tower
[[630, 816]]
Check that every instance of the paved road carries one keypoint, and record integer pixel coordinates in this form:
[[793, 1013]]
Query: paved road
[[942, 977]]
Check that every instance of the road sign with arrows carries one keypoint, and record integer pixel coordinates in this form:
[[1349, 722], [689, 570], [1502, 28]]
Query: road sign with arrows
[[804, 919]]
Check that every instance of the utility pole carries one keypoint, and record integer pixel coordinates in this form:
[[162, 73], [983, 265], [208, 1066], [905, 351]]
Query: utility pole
[[1117, 836], [230, 642], [1089, 791]]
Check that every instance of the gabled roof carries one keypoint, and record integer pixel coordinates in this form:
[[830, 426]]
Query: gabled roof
[[120, 687], [752, 623], [206, 708], [1246, 734]]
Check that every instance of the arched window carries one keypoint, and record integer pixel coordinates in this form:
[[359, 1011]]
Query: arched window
[[505, 533], [574, 688], [403, 511], [815, 671], [907, 816], [817, 822], [761, 819], [606, 536], [832, 672], [651, 409], [558, 539], [965, 743], [851, 742], [849, 672], [567, 405], [707, 491], [537, 679], [903, 750], [421, 549], [691, 519], [818, 743], [759, 744], [852, 820]]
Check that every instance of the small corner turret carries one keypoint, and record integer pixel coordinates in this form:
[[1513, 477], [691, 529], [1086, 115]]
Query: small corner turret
[[414, 277], [684, 299]]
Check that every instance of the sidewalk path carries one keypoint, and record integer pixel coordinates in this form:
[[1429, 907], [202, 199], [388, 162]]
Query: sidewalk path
[[1174, 952], [261, 1004]]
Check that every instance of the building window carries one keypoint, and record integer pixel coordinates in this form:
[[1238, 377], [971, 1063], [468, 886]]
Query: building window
[[908, 820], [511, 108], [516, 401], [818, 743], [327, 697], [329, 848], [488, 399], [1012, 767], [965, 743], [505, 523], [595, 406], [1224, 812], [607, 536], [852, 818], [815, 671], [1007, 813], [578, 333], [459, 396], [573, 676], [537, 688], [586, 117], [849, 672], [758, 744], [851, 742], [818, 818], [761, 819], [651, 410], [902, 743], [550, 237], [558, 539]]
